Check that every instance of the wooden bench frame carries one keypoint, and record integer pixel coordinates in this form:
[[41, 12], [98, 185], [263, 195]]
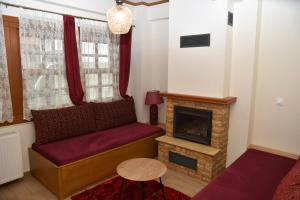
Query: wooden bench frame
[[68, 179]]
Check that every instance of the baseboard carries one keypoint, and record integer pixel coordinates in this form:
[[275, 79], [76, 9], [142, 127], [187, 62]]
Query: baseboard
[[273, 151]]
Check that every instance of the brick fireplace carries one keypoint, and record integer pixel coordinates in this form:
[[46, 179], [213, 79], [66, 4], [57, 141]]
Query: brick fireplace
[[196, 135]]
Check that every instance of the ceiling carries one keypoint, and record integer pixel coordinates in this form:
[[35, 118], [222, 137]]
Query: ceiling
[[148, 1], [145, 2]]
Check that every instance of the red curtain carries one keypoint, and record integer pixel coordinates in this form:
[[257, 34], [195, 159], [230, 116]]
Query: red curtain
[[125, 56], [72, 62]]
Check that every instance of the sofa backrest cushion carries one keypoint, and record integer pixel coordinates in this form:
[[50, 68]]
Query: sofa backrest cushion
[[289, 188], [56, 124], [113, 114]]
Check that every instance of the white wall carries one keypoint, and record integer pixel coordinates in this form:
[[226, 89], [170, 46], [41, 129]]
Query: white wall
[[149, 56], [265, 66], [278, 76], [160, 60], [198, 71], [87, 8], [243, 73], [159, 17], [141, 62]]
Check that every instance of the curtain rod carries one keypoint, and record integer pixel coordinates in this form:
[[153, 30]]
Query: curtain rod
[[57, 13]]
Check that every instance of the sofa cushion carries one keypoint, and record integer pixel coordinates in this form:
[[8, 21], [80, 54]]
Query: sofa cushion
[[56, 124], [113, 114], [253, 176], [289, 188], [72, 149]]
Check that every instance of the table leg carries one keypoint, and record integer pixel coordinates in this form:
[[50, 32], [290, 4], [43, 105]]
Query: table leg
[[162, 189], [121, 191], [141, 184]]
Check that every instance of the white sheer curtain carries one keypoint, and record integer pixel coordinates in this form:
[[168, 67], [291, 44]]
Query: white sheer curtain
[[99, 61], [6, 113], [43, 61]]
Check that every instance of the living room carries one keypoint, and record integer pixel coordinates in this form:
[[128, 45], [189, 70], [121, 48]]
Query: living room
[[207, 89]]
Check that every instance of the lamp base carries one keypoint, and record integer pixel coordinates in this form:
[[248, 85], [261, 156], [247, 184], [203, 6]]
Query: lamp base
[[153, 114]]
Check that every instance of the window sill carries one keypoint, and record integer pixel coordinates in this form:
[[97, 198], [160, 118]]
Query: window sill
[[16, 122]]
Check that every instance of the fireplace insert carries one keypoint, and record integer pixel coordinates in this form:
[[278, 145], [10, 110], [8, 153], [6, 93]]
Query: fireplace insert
[[192, 124]]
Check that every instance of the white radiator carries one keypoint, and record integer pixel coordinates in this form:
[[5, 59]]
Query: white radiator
[[10, 157]]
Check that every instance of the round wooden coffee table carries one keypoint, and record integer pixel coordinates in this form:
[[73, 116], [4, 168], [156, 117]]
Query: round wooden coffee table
[[141, 170]]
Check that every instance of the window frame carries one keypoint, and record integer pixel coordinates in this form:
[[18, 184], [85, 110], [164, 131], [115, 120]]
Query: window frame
[[13, 54], [97, 70]]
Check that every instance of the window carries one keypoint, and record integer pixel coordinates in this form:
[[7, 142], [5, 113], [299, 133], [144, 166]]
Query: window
[[40, 42], [43, 62], [99, 54]]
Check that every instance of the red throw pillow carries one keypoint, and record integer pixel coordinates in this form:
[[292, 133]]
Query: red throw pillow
[[289, 188], [114, 114], [56, 124]]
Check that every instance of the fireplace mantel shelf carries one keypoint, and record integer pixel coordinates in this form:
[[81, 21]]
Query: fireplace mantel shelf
[[212, 100], [208, 150]]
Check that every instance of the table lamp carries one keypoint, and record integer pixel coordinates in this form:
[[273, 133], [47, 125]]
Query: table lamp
[[153, 98]]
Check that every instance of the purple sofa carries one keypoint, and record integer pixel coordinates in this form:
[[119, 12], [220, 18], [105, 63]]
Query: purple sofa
[[254, 176], [72, 149], [69, 134], [80, 146]]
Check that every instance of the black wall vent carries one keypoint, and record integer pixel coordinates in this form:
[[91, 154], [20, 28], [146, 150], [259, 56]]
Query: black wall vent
[[182, 160], [230, 19], [188, 41]]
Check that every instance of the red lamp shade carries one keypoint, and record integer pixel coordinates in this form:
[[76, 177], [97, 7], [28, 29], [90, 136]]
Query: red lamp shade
[[153, 98]]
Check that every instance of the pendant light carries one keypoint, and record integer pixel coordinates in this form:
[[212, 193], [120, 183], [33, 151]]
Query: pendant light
[[119, 18]]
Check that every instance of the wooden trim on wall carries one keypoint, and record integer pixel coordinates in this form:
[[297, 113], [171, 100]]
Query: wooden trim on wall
[[12, 43], [15, 122], [273, 151], [143, 3], [213, 100], [11, 19]]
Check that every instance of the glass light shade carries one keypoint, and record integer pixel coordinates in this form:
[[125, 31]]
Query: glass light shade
[[119, 19]]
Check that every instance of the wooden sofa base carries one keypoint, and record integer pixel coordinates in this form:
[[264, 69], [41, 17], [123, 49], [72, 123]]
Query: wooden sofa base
[[71, 178]]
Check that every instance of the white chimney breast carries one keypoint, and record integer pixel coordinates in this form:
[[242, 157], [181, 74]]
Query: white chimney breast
[[200, 71]]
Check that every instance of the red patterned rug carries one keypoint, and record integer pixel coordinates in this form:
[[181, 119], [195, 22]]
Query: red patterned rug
[[110, 189]]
